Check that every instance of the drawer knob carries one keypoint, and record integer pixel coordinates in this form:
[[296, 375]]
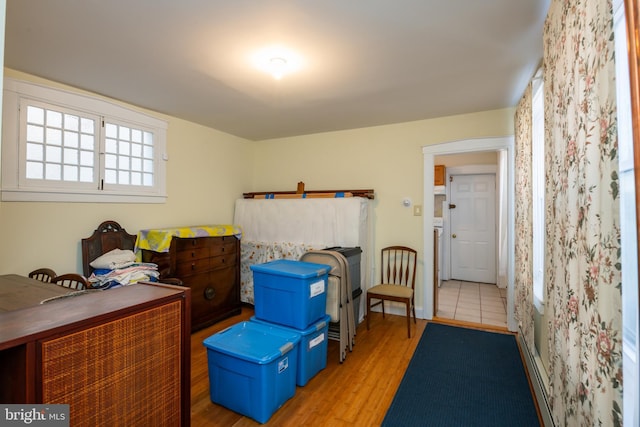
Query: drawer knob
[[209, 293], [193, 266]]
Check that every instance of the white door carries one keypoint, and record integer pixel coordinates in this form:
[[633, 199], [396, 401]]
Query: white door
[[472, 212]]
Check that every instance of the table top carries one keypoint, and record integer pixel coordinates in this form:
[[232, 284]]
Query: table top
[[18, 292]]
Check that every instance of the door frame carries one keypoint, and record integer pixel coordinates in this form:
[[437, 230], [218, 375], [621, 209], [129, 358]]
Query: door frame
[[505, 143]]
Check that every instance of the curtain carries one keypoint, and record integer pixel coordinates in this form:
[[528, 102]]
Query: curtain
[[523, 289], [582, 268]]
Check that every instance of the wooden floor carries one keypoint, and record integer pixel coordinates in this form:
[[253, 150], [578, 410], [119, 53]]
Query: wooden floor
[[357, 392]]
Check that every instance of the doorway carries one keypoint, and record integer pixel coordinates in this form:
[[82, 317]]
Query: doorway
[[470, 292], [472, 219], [503, 144]]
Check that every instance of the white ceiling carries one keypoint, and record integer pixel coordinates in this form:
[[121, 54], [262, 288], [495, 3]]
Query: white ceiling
[[365, 63]]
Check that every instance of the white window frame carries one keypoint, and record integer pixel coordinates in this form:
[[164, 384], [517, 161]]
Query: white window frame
[[15, 186], [628, 212], [538, 189]]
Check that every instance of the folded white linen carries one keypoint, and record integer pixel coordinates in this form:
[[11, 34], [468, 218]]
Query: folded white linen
[[125, 276], [116, 258]]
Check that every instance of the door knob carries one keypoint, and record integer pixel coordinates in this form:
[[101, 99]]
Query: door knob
[[454, 236]]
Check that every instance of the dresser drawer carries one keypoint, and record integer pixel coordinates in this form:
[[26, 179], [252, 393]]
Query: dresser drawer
[[223, 249], [193, 266], [222, 240], [222, 261], [187, 243], [189, 254]]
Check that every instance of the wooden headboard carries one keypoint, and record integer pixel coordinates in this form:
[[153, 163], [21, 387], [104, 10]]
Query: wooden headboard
[[108, 236]]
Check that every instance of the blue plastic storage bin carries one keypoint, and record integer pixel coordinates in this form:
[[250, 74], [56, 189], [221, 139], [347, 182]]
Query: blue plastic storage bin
[[312, 349], [290, 293], [252, 368]]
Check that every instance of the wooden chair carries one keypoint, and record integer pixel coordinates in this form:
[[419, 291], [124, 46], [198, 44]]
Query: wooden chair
[[71, 280], [43, 274], [108, 236], [397, 281]]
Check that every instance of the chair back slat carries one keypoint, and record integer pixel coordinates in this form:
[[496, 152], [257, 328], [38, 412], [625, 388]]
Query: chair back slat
[[71, 280], [398, 266], [43, 274]]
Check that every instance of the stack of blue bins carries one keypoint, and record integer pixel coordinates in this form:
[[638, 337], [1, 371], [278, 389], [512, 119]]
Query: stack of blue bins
[[254, 366]]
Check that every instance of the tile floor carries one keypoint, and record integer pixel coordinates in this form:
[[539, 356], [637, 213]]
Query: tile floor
[[472, 302]]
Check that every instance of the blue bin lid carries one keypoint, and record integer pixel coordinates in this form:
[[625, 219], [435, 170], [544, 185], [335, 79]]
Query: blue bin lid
[[253, 342], [292, 268], [315, 326]]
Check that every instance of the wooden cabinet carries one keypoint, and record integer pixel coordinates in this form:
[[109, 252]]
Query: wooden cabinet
[[210, 266], [117, 357], [439, 175]]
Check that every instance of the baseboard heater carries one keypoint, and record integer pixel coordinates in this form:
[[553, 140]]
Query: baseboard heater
[[537, 382]]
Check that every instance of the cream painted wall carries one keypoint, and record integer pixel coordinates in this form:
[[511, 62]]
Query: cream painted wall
[[482, 158], [207, 172], [387, 159], [204, 177]]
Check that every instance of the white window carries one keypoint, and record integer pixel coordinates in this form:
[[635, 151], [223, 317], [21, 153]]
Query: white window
[[537, 184], [66, 147]]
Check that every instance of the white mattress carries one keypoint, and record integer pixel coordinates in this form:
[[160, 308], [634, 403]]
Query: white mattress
[[334, 222]]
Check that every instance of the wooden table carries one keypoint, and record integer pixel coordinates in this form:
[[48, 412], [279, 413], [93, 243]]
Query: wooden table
[[18, 292]]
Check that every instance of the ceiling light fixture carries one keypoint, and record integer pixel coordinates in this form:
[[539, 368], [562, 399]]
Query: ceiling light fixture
[[277, 61], [277, 67]]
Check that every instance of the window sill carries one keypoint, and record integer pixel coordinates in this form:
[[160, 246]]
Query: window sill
[[66, 197]]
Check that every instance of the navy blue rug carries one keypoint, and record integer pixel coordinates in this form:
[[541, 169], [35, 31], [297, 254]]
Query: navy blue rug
[[463, 377]]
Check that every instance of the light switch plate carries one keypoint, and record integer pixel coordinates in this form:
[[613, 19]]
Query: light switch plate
[[417, 210]]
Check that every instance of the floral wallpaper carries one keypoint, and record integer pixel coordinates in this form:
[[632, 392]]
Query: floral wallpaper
[[582, 268], [523, 219]]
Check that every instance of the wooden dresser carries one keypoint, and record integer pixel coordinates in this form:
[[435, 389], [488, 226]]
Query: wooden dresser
[[117, 357], [210, 266]]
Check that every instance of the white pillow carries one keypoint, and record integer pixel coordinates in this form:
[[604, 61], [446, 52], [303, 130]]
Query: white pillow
[[113, 259]]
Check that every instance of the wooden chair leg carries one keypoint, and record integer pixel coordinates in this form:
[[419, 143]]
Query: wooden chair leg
[[408, 319], [413, 306], [368, 310]]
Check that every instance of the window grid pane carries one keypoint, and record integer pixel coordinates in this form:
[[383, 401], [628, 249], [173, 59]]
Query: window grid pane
[[129, 150], [57, 142]]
